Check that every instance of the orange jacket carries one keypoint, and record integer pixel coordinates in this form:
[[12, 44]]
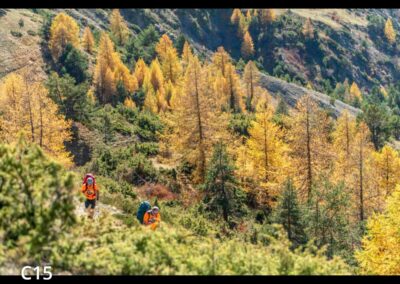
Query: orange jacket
[[150, 218], [90, 191]]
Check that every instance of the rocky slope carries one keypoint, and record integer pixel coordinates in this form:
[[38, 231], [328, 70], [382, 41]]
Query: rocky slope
[[207, 29]]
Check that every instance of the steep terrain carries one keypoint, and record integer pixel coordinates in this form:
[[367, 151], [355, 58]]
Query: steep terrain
[[208, 29]]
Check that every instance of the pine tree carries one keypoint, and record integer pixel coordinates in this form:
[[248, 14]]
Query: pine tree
[[247, 48], [63, 30], [71, 98], [309, 144], [27, 109], [88, 42], [222, 193], [118, 27], [288, 214], [251, 77], [380, 252], [390, 33], [327, 219], [308, 29], [44, 192]]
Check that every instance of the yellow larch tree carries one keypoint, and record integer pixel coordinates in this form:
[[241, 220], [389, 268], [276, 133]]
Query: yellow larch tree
[[344, 146], [267, 150], [27, 109], [380, 247], [118, 27], [309, 141], [355, 91], [233, 89], [236, 15], [88, 42], [197, 121], [169, 59], [364, 196], [110, 70], [63, 30], [251, 77], [141, 70], [386, 165], [247, 48], [308, 29], [243, 27], [221, 59], [187, 54], [267, 16], [103, 73], [390, 33], [129, 103]]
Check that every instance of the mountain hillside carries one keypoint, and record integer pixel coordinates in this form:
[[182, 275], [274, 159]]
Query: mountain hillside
[[270, 133]]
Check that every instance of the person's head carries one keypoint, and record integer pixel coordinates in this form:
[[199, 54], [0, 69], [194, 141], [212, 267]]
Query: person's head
[[89, 181], [155, 210]]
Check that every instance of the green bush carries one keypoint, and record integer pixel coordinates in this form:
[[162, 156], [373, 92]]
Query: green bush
[[16, 34], [36, 203], [175, 251]]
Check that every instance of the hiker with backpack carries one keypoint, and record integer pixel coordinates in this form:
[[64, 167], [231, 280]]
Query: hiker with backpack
[[91, 191], [148, 216], [152, 218]]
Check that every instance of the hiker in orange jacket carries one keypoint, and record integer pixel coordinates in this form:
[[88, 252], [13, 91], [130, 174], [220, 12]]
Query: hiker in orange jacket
[[91, 191], [152, 218]]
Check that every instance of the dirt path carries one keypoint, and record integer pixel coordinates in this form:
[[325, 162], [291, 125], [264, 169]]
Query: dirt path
[[101, 208]]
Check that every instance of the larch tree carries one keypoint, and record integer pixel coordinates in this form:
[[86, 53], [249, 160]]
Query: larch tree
[[267, 150], [221, 59], [27, 109], [344, 145], [141, 70], [129, 103], [197, 120], [187, 54], [88, 42], [390, 33], [267, 16], [110, 70], [63, 30], [118, 27], [103, 73], [309, 141], [169, 59], [380, 248], [247, 48], [308, 29], [363, 179], [251, 77], [355, 91], [236, 15], [234, 91], [386, 164]]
